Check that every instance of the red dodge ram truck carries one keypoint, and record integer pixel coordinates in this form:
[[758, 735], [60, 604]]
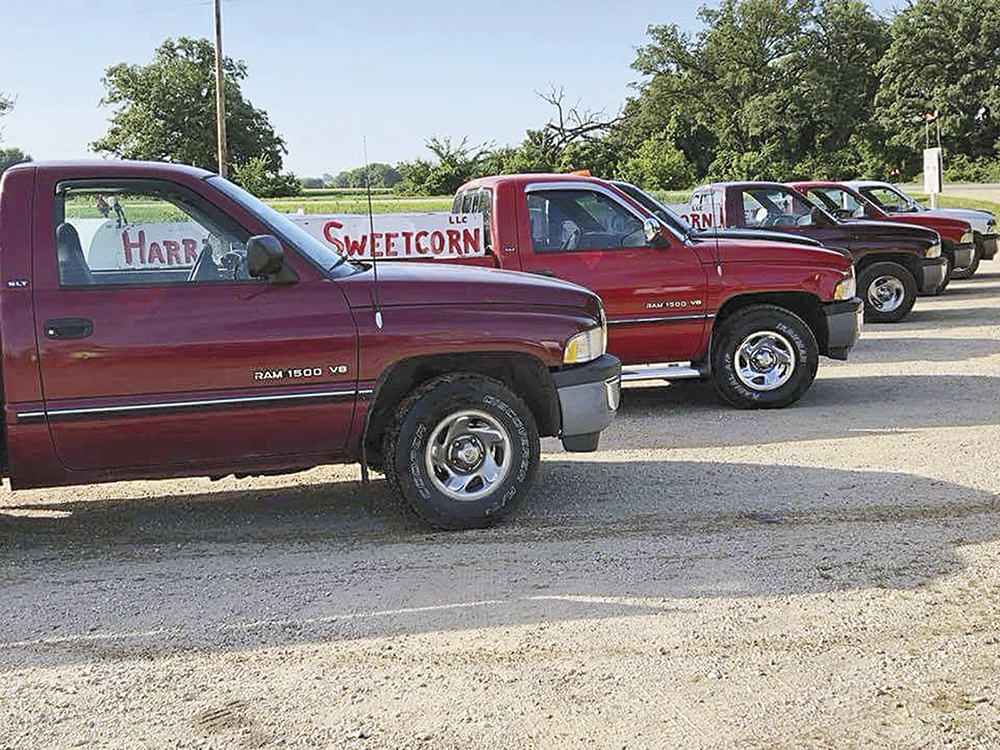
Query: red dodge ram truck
[[158, 321], [752, 315]]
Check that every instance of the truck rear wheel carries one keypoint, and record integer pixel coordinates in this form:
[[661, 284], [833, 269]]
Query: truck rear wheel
[[889, 291], [461, 451], [764, 357]]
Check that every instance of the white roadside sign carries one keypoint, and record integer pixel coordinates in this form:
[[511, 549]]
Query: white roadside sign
[[420, 236], [159, 245]]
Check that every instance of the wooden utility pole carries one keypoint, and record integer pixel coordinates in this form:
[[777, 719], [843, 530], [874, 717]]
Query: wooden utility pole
[[220, 99]]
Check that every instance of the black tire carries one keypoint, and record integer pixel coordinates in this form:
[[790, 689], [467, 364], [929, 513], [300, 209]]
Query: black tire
[[417, 420], [738, 330], [969, 271], [905, 300]]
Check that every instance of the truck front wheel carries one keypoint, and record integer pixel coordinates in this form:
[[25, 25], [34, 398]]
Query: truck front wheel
[[889, 291], [461, 451], [969, 271], [764, 357]]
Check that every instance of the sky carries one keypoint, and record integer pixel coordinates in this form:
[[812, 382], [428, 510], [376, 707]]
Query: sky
[[329, 73]]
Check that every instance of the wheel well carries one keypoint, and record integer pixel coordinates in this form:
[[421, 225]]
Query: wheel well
[[524, 374], [807, 306], [909, 262]]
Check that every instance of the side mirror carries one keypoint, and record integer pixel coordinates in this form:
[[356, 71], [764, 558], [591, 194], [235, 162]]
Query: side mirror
[[652, 231], [266, 260], [870, 211]]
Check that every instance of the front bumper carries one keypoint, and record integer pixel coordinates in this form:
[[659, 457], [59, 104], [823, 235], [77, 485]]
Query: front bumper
[[843, 326], [964, 254], [588, 399], [987, 245], [932, 274]]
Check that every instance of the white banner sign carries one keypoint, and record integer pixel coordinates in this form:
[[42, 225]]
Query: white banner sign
[[398, 236], [139, 246], [159, 245], [699, 218]]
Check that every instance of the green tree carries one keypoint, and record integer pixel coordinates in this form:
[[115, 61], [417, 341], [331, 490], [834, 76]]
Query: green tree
[[165, 110], [944, 57], [658, 165], [11, 156]]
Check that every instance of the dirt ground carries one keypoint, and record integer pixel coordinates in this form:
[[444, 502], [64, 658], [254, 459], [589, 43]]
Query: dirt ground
[[824, 576]]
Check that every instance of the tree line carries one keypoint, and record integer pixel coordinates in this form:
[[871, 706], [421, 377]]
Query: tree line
[[775, 90], [767, 89]]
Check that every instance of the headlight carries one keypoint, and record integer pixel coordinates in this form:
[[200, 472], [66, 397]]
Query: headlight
[[966, 239], [847, 288], [934, 251], [588, 345]]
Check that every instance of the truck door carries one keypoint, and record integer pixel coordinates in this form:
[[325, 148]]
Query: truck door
[[654, 297], [157, 348]]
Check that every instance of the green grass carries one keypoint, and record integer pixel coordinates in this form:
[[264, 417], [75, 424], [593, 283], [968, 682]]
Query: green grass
[[359, 205], [948, 201]]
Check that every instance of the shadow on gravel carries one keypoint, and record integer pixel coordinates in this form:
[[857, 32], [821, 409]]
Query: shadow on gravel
[[690, 415], [229, 571], [936, 317], [881, 350]]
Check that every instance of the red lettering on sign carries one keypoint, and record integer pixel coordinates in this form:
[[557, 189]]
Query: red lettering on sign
[[455, 241], [375, 250], [173, 252], [407, 237], [389, 238], [471, 241], [437, 243], [129, 246], [420, 247], [155, 253], [356, 248], [190, 251], [328, 234]]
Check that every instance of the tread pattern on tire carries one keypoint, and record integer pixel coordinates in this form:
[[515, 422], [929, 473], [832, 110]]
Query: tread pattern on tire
[[395, 427]]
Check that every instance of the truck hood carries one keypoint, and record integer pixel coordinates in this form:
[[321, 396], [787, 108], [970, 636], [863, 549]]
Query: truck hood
[[871, 230], [979, 220], [436, 283], [709, 235], [756, 250]]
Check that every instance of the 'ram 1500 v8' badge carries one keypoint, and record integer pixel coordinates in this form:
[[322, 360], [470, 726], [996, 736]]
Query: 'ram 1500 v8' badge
[[296, 373]]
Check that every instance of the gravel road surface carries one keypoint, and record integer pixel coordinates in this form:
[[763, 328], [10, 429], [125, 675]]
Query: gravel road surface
[[824, 576]]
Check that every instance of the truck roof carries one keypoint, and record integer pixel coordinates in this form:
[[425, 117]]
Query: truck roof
[[529, 177], [742, 184], [117, 167]]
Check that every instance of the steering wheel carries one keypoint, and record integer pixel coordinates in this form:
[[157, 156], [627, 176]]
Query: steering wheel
[[780, 220]]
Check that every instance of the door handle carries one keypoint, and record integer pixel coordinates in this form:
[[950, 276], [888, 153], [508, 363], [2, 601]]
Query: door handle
[[544, 272], [69, 328]]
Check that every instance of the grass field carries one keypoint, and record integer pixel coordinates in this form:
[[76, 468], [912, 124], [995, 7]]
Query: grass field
[[358, 204]]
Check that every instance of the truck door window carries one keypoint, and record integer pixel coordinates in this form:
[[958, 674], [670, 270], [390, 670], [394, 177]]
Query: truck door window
[[838, 202], [889, 200], [576, 220], [142, 237]]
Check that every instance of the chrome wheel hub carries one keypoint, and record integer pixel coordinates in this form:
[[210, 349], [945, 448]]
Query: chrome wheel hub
[[468, 455], [886, 293], [765, 361]]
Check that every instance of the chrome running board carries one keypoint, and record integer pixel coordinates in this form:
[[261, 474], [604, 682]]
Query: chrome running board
[[670, 371]]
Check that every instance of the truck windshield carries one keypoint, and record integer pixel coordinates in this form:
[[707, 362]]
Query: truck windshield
[[322, 255], [644, 199]]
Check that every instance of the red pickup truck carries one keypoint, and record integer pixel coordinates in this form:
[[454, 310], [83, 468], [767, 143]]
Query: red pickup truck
[[158, 321], [957, 244], [894, 261], [752, 315]]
